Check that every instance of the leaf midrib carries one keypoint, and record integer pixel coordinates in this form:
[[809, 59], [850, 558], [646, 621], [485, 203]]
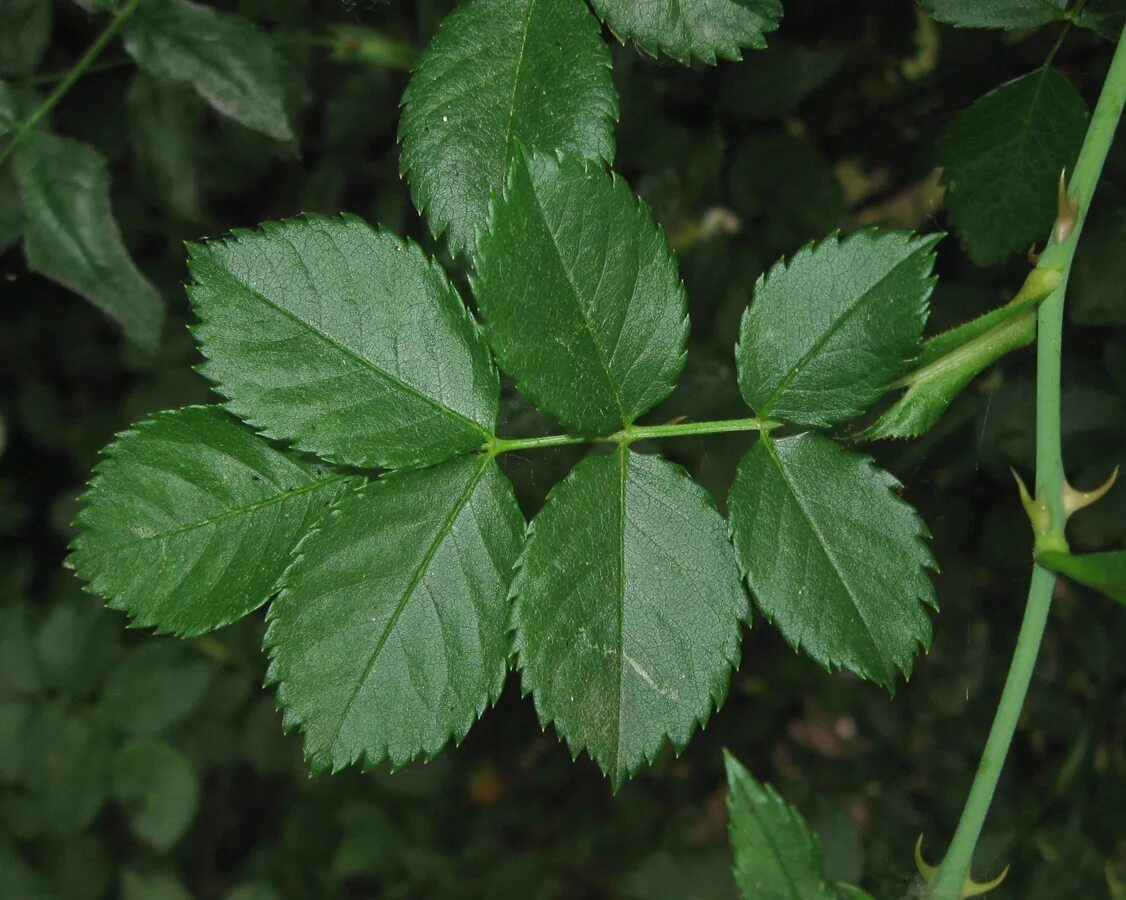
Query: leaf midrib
[[507, 147], [408, 592], [622, 466], [229, 514], [824, 546], [349, 352], [587, 327], [837, 324], [764, 830]]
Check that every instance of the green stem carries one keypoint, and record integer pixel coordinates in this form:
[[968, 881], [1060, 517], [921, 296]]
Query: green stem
[[631, 434], [76, 72], [1050, 482]]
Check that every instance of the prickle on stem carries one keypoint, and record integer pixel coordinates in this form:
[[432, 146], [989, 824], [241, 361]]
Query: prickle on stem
[[1067, 212], [970, 888], [1074, 500]]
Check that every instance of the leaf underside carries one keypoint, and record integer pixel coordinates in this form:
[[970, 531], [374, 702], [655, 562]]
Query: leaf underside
[[833, 557], [70, 235], [580, 294], [693, 29], [501, 73], [628, 609], [190, 519], [389, 636], [343, 341], [828, 331], [1002, 159]]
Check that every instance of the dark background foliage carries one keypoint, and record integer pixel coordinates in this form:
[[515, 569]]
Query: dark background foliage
[[833, 127]]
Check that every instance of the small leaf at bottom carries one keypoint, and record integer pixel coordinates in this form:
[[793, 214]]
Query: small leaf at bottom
[[776, 856]]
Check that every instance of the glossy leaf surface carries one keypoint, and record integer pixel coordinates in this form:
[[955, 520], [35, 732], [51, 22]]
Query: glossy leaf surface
[[580, 294], [628, 609], [833, 556], [498, 74], [343, 341], [693, 29], [775, 855], [190, 519], [389, 637], [827, 331]]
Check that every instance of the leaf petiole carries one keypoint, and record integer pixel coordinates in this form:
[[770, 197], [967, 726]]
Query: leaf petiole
[[629, 435]]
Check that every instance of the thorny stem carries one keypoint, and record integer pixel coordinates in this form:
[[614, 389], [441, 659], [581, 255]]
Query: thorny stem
[[1050, 484], [633, 433], [71, 79]]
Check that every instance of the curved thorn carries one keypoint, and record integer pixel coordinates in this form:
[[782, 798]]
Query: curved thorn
[[975, 889], [1074, 500], [925, 868], [1025, 498], [1067, 212], [1036, 510]]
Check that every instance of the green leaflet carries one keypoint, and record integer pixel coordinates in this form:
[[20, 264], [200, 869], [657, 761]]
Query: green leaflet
[[833, 557], [70, 235], [23, 38], [693, 29], [997, 13], [826, 333], [501, 73], [628, 609], [580, 294], [1105, 572], [227, 60], [158, 789], [343, 341], [776, 856], [190, 518], [1002, 159], [388, 638]]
